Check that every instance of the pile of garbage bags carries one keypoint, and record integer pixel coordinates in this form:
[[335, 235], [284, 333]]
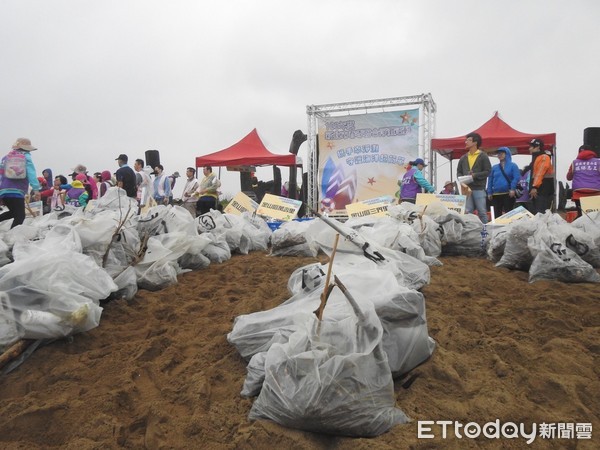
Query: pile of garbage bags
[[335, 375], [549, 248], [55, 269]]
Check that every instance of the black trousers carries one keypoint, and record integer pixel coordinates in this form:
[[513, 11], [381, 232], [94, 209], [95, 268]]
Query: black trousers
[[16, 210], [502, 204], [205, 204]]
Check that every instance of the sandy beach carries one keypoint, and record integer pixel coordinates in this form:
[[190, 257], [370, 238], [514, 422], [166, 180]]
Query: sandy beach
[[159, 373]]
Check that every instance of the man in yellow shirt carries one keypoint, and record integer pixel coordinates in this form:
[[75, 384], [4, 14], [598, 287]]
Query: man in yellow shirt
[[476, 164]]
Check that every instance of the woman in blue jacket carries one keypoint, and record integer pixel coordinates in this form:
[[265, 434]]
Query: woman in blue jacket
[[502, 183]]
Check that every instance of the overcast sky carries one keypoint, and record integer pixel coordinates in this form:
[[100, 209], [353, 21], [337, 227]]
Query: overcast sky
[[86, 80]]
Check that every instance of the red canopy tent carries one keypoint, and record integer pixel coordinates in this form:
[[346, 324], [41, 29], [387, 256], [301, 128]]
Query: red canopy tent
[[250, 151], [494, 133]]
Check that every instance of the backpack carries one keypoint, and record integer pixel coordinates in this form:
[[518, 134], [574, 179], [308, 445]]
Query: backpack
[[15, 165]]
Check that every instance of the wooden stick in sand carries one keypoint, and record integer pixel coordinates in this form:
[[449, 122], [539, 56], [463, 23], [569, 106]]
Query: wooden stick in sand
[[327, 289]]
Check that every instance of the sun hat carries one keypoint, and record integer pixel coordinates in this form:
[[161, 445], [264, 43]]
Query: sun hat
[[79, 168], [23, 144]]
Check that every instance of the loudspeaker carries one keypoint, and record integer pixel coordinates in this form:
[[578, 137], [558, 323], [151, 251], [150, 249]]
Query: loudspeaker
[[591, 136], [276, 180], [297, 139], [245, 181], [152, 158]]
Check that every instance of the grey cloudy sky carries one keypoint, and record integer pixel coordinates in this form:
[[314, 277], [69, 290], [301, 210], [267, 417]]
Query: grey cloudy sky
[[86, 80]]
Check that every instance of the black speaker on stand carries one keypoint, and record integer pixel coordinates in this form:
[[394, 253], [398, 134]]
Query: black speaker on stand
[[591, 137], [152, 158]]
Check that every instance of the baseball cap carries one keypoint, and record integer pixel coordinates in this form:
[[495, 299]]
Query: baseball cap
[[419, 161], [537, 143], [122, 157]]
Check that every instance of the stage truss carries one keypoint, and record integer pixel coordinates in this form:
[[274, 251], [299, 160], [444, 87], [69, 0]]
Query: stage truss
[[427, 109]]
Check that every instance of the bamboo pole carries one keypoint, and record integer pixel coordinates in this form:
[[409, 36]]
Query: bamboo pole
[[326, 289]]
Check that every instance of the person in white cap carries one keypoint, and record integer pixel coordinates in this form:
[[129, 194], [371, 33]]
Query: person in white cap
[[17, 173]]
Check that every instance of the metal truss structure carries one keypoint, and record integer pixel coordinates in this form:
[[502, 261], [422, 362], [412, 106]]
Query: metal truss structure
[[427, 109]]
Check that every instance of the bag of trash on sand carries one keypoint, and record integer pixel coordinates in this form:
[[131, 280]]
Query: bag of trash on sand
[[291, 239], [473, 238], [331, 377], [555, 257]]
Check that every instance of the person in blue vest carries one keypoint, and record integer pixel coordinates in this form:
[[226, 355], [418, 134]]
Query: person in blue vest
[[585, 174], [413, 182]]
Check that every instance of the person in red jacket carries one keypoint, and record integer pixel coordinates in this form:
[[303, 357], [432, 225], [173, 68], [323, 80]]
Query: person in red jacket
[[585, 174]]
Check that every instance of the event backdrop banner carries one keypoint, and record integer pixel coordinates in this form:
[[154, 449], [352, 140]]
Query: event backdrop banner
[[362, 156]]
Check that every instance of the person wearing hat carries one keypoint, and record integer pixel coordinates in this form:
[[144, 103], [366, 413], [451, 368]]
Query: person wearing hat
[[541, 184], [80, 168], [502, 183], [79, 194], [126, 176], [17, 173], [449, 188], [585, 174], [476, 164], [413, 182]]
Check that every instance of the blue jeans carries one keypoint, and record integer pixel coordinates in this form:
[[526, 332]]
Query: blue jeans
[[477, 201]]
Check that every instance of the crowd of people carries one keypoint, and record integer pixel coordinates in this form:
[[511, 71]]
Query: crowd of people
[[18, 174], [504, 186]]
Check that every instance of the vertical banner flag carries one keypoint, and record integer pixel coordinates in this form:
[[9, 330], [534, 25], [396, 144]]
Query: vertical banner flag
[[363, 156]]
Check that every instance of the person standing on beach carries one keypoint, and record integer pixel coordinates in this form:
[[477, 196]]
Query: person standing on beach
[[190, 188], [17, 172], [162, 186], [413, 182], [475, 163], [585, 174], [145, 188], [541, 184], [502, 183], [126, 176], [208, 191]]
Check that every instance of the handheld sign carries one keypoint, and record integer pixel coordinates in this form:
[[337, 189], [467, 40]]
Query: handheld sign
[[279, 208], [590, 204], [516, 214], [241, 203], [376, 207], [452, 202]]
